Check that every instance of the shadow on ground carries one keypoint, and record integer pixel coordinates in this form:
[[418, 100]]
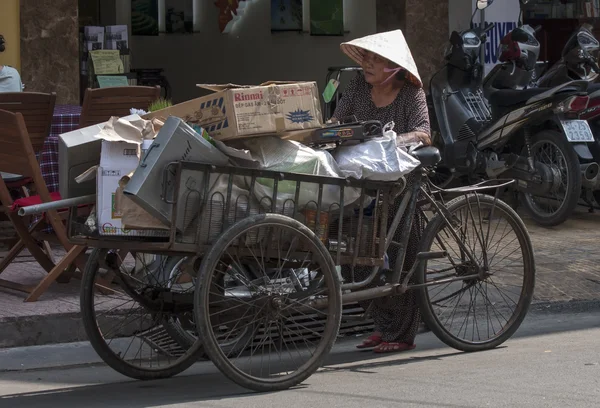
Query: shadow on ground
[[204, 384]]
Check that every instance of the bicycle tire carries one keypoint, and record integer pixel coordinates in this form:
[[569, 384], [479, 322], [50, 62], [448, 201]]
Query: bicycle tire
[[100, 345], [202, 304], [427, 310]]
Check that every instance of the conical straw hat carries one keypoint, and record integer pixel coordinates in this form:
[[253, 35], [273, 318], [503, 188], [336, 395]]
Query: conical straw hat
[[391, 45]]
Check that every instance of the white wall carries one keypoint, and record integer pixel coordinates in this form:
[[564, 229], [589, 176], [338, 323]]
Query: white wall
[[250, 54]]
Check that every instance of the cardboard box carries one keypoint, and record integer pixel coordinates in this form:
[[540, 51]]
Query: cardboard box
[[235, 111], [117, 161], [79, 150]]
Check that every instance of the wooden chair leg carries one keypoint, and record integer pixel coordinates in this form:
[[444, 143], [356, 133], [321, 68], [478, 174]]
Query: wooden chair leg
[[15, 286], [49, 251], [11, 255], [30, 243], [60, 267], [67, 275]]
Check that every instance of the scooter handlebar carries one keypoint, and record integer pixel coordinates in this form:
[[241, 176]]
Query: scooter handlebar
[[488, 28]]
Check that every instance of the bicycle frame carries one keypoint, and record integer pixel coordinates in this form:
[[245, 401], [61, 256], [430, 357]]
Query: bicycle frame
[[408, 207]]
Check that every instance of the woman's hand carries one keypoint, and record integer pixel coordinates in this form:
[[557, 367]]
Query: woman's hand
[[414, 138]]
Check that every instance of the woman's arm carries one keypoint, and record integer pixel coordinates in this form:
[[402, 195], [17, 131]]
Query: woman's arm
[[418, 121], [414, 138], [345, 107]]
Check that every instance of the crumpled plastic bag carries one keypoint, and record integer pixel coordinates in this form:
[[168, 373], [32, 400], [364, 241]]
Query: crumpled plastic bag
[[376, 159], [273, 153]]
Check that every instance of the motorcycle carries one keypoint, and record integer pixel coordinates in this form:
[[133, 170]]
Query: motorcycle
[[496, 136], [578, 62]]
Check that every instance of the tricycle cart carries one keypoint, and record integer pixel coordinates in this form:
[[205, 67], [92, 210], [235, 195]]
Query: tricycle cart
[[257, 265]]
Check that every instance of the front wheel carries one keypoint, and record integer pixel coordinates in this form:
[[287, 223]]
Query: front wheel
[[293, 302], [476, 313], [551, 149]]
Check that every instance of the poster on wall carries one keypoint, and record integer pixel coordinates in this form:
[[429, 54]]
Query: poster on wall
[[179, 16], [327, 17], [505, 14], [144, 17], [227, 13], [286, 15]]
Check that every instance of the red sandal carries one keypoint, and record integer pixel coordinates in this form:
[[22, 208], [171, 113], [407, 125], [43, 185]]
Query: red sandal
[[370, 342], [385, 347]]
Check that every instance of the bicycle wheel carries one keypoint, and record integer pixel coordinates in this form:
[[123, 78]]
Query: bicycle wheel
[[181, 327], [475, 314], [123, 308], [290, 268]]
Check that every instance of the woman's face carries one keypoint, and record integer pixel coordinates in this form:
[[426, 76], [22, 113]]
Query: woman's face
[[374, 68]]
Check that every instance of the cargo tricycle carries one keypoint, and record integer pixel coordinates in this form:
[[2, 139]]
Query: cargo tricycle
[[256, 267]]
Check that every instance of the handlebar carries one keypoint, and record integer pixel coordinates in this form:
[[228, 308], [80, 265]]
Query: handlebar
[[537, 29], [488, 28]]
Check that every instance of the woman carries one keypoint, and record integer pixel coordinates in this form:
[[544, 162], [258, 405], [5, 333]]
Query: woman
[[10, 80], [389, 91]]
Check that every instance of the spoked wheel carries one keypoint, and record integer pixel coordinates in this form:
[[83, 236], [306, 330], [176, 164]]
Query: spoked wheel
[[182, 327], [291, 270], [561, 169], [482, 312], [124, 305]]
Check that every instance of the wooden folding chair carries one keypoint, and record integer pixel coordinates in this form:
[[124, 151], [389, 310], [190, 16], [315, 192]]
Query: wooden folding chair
[[100, 104], [17, 156], [37, 110]]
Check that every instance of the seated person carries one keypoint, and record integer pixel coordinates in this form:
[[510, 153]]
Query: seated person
[[10, 80], [390, 90]]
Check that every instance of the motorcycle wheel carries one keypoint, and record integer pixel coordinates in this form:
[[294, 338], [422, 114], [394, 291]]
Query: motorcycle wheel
[[552, 149]]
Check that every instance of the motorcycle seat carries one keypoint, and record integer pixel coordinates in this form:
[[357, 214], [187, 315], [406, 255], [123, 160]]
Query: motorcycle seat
[[428, 156], [510, 97]]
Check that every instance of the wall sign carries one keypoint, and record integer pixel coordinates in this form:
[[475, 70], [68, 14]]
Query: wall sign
[[144, 17], [327, 17], [286, 15]]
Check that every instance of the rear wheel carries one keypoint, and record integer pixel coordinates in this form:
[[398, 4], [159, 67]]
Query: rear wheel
[[477, 313], [551, 149], [123, 315], [291, 334]]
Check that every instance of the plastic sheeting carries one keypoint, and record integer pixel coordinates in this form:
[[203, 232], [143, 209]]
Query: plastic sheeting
[[376, 159], [273, 153]]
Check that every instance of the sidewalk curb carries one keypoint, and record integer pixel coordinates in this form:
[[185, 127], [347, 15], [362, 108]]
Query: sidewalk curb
[[41, 330], [62, 328]]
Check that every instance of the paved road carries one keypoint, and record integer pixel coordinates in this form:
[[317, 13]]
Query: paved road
[[553, 361]]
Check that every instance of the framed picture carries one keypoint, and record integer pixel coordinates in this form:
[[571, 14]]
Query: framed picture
[[286, 15], [179, 16], [327, 17], [144, 17]]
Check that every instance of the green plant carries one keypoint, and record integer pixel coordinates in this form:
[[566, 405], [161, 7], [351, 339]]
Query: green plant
[[160, 103]]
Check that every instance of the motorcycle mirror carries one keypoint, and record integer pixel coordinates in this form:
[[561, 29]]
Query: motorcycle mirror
[[456, 39], [482, 4]]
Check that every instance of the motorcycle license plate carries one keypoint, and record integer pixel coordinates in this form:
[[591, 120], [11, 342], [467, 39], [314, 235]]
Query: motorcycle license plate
[[577, 131]]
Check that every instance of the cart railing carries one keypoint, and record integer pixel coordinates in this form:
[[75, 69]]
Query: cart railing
[[349, 216]]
